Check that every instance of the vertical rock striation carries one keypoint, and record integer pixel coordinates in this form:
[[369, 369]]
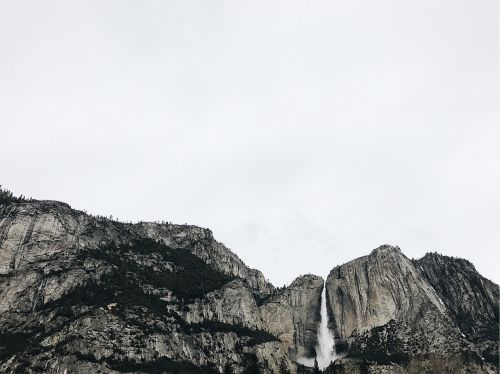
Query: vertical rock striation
[[293, 315], [87, 294], [389, 310], [472, 300], [371, 291]]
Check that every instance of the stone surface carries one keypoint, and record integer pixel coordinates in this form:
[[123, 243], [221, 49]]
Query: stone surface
[[387, 309], [34, 231], [86, 294], [294, 313], [89, 294], [372, 290], [472, 300]]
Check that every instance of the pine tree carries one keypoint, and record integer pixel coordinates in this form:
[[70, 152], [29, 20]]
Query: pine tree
[[283, 367], [316, 367], [228, 369]]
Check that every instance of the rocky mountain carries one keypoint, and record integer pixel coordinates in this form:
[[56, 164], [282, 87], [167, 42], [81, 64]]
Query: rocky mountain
[[389, 310], [87, 294], [470, 299]]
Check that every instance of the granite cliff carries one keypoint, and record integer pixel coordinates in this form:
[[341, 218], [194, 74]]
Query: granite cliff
[[87, 294], [389, 310]]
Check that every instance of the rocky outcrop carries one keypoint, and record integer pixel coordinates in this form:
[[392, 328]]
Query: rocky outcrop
[[234, 303], [34, 231], [87, 294], [472, 300], [385, 311], [201, 243], [293, 315], [373, 290]]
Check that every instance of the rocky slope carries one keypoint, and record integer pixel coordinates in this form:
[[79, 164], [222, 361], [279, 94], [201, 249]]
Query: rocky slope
[[34, 230], [387, 309], [85, 294], [293, 315], [88, 294], [471, 300]]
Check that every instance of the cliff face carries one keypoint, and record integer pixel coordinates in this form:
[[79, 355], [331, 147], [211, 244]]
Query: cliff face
[[32, 231], [471, 300], [293, 315], [372, 290], [202, 244], [290, 314], [388, 309], [87, 294]]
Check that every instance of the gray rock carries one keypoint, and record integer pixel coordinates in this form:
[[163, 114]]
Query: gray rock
[[86, 294], [293, 315], [472, 300], [385, 311]]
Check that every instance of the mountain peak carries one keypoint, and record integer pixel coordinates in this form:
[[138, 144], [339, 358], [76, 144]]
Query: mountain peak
[[172, 298], [386, 249]]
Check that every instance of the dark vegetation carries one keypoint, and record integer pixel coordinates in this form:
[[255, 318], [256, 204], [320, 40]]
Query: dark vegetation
[[261, 299], [492, 357], [7, 196], [256, 336], [478, 320], [435, 364], [191, 278], [250, 364], [118, 289], [111, 288], [158, 366], [439, 270], [126, 283], [12, 342], [284, 367], [380, 345]]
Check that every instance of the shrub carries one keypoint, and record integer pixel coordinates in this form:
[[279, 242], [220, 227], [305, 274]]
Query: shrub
[[256, 336], [435, 365], [7, 196]]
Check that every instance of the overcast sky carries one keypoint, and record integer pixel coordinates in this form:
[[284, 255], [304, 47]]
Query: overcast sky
[[303, 133]]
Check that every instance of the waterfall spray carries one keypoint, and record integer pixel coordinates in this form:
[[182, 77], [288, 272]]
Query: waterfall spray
[[325, 349]]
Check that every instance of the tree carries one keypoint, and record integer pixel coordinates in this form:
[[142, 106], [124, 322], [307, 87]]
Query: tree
[[316, 367], [6, 196], [284, 367]]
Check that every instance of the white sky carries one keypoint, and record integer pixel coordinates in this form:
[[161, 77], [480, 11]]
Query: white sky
[[304, 134]]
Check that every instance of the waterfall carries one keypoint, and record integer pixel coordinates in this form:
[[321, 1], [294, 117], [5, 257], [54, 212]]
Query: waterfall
[[325, 349]]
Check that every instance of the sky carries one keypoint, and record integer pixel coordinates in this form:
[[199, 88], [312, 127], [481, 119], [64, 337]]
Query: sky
[[303, 134]]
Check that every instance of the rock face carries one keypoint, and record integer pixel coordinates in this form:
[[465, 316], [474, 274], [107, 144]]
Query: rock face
[[85, 294], [373, 290], [471, 300], [201, 243], [34, 230], [293, 315], [388, 309]]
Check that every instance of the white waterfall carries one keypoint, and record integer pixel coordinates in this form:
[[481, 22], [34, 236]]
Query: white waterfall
[[325, 349]]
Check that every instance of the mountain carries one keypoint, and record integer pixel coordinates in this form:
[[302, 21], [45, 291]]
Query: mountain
[[390, 310], [87, 294]]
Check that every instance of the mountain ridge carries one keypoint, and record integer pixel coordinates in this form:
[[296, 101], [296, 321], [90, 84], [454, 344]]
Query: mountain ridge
[[85, 293]]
